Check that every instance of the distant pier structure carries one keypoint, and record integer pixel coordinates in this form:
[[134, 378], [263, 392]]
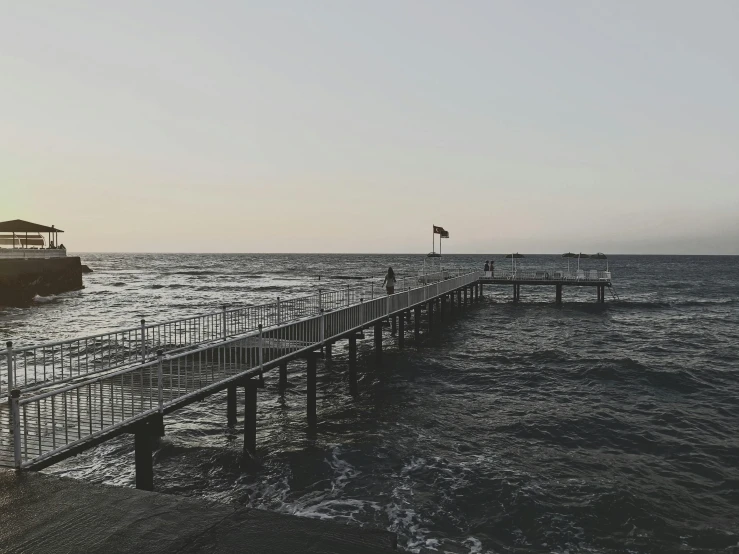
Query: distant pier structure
[[600, 280]]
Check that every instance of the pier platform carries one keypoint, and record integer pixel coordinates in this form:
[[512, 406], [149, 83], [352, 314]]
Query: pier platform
[[42, 513]]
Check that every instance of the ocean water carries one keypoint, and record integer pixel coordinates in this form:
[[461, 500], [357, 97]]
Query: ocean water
[[513, 428]]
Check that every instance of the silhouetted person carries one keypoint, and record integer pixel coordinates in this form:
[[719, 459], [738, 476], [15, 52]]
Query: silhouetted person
[[487, 267], [389, 282]]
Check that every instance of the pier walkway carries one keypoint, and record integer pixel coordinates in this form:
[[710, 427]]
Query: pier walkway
[[61, 398]]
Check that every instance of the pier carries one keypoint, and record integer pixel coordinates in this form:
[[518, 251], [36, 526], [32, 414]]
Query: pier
[[59, 399], [68, 396], [600, 280]]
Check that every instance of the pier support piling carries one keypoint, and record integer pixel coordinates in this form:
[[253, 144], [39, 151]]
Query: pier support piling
[[394, 325], [283, 378], [144, 461], [378, 341], [430, 309], [311, 381], [401, 332], [353, 365], [417, 322], [231, 405], [329, 351], [442, 306], [250, 417], [465, 296], [559, 294]]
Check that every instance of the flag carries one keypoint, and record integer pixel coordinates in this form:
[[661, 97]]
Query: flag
[[444, 234], [439, 230]]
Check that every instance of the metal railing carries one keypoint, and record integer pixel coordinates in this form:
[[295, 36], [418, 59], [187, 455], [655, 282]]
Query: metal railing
[[33, 367], [47, 423], [31, 253]]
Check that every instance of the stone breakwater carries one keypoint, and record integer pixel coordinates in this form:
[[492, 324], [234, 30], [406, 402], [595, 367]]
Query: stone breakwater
[[21, 280]]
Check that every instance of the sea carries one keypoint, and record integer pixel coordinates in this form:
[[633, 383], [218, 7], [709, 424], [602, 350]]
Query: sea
[[526, 428]]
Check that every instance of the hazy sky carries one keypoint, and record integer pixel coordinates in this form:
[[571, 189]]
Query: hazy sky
[[348, 126]]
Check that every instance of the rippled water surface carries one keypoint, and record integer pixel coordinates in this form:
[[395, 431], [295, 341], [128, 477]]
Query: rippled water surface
[[513, 428]]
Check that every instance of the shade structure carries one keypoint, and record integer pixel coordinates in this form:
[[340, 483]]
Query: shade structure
[[600, 256], [513, 258], [21, 226], [569, 255]]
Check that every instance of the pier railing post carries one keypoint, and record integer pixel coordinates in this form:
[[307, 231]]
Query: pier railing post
[[223, 322], [279, 311], [15, 396], [160, 358], [11, 373], [320, 301], [348, 295], [321, 329], [143, 340]]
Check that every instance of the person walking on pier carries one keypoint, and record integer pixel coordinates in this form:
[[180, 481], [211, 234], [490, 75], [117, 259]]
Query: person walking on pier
[[487, 269], [389, 282]]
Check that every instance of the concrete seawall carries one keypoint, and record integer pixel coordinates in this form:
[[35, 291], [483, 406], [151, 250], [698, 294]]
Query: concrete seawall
[[42, 513], [21, 280]]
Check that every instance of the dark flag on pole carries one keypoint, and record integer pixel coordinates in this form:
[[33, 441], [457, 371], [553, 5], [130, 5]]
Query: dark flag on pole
[[438, 230], [444, 234]]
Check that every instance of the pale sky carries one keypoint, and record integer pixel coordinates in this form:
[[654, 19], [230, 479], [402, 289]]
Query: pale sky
[[348, 126]]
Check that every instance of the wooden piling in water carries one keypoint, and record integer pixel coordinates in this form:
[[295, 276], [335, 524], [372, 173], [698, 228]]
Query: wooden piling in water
[[353, 365], [283, 378], [231, 405], [311, 403], [250, 417], [378, 340], [417, 322], [143, 459]]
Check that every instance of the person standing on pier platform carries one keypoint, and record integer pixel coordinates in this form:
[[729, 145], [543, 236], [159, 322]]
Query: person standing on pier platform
[[389, 282], [487, 269]]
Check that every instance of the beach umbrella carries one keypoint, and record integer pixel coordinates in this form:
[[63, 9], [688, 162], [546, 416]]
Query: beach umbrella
[[600, 256], [513, 258], [569, 255]]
